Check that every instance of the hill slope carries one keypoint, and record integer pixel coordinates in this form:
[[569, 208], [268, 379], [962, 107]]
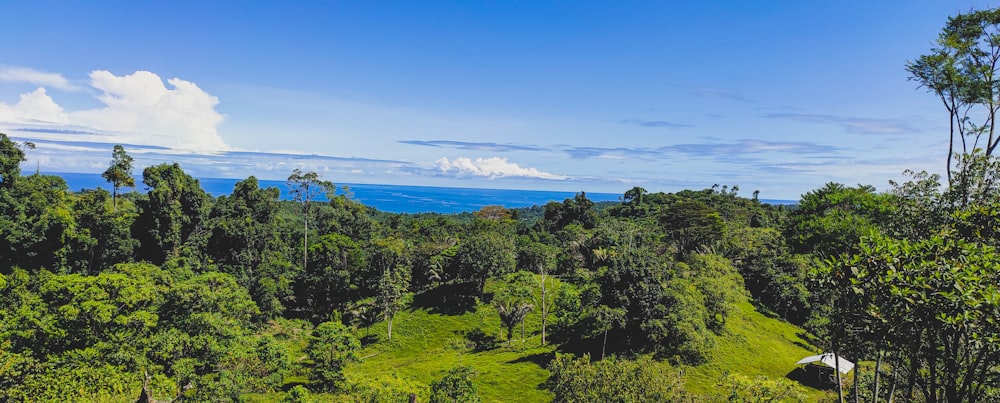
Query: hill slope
[[426, 344]]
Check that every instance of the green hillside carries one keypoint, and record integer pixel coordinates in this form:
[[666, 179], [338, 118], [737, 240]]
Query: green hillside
[[426, 344]]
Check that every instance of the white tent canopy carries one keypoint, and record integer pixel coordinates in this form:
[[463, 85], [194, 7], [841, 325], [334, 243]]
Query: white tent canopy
[[828, 359]]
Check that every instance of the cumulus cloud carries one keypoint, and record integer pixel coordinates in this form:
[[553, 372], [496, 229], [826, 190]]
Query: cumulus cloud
[[34, 107], [26, 75], [138, 108], [494, 167], [140, 105]]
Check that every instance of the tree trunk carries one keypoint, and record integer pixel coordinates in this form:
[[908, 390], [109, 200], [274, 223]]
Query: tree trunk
[[545, 310], [836, 370], [605, 344], [522, 330], [857, 369], [305, 241], [388, 321], [878, 370]]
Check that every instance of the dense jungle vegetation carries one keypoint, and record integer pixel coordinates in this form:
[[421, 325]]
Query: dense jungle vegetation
[[173, 294], [701, 295]]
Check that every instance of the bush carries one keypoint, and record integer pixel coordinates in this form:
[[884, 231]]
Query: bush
[[455, 387]]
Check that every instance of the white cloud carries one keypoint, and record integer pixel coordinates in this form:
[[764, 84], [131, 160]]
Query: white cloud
[[494, 167], [26, 75], [141, 106], [138, 109], [33, 107]]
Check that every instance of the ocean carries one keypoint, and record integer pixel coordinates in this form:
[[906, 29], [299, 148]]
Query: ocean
[[389, 198]]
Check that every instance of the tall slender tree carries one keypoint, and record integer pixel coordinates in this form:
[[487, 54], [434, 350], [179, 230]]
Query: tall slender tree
[[304, 188], [389, 259], [963, 71], [119, 173]]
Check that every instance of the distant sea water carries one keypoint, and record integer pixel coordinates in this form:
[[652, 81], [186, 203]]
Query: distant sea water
[[389, 198]]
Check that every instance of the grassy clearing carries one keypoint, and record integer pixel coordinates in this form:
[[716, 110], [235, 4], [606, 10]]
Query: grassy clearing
[[427, 344], [753, 345]]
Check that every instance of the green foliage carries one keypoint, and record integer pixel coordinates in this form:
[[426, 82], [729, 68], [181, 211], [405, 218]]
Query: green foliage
[[386, 389], [388, 257], [455, 386], [245, 241], [102, 234], [333, 279], [481, 256], [962, 70], [11, 155], [298, 394], [119, 174], [830, 220], [306, 188], [743, 389], [682, 331], [934, 301], [512, 300], [691, 225], [37, 229], [331, 347], [775, 278], [721, 285], [613, 380], [576, 211], [170, 214], [78, 382]]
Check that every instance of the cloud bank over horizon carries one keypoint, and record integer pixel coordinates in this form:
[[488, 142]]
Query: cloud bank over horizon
[[494, 167]]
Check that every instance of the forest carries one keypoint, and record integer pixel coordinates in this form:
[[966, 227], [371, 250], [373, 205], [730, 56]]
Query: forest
[[169, 294]]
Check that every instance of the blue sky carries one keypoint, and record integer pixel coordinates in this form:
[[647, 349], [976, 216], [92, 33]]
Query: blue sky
[[776, 96]]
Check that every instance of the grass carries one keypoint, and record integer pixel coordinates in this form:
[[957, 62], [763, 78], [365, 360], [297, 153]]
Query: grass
[[425, 345], [753, 345], [428, 342]]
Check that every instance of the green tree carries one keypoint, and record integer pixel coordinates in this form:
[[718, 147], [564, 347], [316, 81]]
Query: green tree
[[331, 346], [613, 380], [306, 188], [389, 259], [335, 277], [170, 215], [103, 235], [634, 196], [245, 240], [830, 220], [119, 173], [512, 300], [678, 325], [12, 154], [736, 388], [541, 259], [691, 224], [455, 386], [935, 302], [605, 319], [38, 230], [481, 256], [962, 71]]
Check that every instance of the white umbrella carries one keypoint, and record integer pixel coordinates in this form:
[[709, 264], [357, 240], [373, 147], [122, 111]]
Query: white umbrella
[[828, 359]]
